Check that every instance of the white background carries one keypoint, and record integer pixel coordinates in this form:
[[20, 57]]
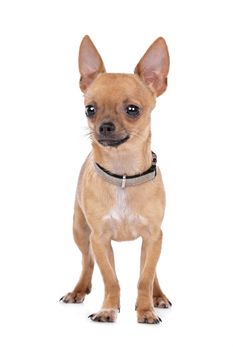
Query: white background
[[43, 144]]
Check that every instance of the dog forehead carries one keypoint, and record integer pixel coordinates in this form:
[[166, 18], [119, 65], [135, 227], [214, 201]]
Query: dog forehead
[[116, 85]]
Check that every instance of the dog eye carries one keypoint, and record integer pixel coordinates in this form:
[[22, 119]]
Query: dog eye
[[132, 110], [90, 111]]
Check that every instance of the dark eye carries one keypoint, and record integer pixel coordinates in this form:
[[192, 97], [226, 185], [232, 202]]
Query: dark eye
[[90, 111], [132, 110]]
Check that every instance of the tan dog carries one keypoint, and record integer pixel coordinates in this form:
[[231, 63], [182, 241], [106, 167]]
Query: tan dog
[[120, 194]]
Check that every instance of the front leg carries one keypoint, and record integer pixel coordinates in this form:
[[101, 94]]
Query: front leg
[[104, 257], [151, 247]]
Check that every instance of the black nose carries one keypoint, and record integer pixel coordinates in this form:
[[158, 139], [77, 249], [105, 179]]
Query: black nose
[[107, 129]]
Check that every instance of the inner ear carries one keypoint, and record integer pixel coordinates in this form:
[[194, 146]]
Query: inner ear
[[154, 66], [90, 63]]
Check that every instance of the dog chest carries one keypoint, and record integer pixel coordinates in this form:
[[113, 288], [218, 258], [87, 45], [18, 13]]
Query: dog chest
[[122, 217]]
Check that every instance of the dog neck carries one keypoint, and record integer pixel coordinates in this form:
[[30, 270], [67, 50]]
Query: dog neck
[[124, 160]]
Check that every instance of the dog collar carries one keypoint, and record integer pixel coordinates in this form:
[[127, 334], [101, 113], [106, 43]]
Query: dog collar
[[125, 181]]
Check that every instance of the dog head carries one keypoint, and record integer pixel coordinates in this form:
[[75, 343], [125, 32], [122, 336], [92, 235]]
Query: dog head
[[118, 106]]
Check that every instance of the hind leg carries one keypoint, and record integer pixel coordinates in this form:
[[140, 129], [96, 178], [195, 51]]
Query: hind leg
[[159, 299], [81, 232]]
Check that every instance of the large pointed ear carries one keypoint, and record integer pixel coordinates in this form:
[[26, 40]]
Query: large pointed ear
[[90, 63], [154, 66]]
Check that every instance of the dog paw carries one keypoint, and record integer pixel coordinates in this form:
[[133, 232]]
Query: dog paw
[[162, 302], [104, 315], [148, 316], [75, 298]]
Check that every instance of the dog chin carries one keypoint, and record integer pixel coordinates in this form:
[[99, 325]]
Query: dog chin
[[113, 142]]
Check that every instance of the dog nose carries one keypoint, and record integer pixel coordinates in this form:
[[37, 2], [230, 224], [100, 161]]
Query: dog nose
[[107, 129]]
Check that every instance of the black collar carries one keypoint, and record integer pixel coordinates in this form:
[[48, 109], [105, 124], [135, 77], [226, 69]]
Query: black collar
[[132, 180]]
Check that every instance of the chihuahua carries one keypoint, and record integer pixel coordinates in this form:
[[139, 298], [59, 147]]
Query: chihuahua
[[120, 194]]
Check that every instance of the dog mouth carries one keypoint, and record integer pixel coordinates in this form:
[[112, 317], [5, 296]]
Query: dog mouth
[[113, 142]]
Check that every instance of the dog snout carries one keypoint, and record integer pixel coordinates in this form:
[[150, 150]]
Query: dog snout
[[106, 129]]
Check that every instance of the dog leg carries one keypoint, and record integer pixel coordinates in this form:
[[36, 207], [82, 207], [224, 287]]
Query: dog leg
[[105, 259], [81, 232], [159, 299], [149, 257]]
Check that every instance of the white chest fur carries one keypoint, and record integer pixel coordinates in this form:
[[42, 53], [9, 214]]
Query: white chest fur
[[124, 220], [121, 209]]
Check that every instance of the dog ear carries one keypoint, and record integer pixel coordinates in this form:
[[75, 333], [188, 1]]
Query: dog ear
[[154, 66], [90, 63]]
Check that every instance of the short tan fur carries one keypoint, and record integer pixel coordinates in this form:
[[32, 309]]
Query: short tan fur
[[118, 108]]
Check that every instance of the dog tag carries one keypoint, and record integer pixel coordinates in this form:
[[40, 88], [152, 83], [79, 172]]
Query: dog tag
[[123, 181]]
